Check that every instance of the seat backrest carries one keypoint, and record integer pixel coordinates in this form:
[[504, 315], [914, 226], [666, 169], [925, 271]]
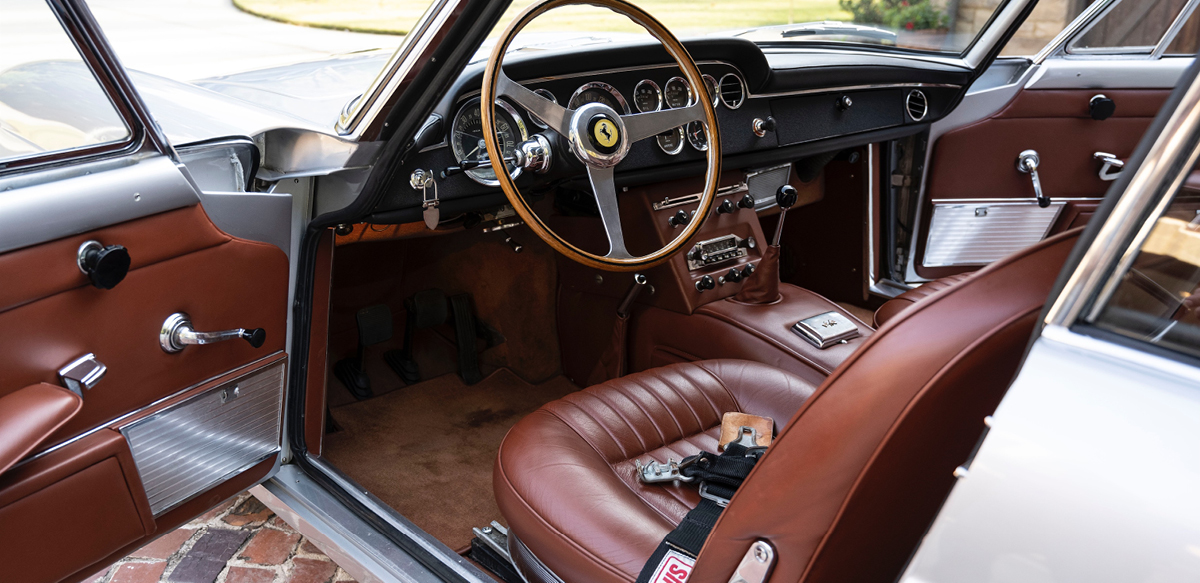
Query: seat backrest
[[855, 478]]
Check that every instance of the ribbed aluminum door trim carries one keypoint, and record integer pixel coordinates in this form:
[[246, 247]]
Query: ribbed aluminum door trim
[[970, 233], [198, 443]]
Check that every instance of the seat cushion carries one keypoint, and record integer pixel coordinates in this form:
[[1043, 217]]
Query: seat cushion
[[898, 304], [565, 475]]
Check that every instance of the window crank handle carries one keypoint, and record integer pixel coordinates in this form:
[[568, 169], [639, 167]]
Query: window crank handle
[[177, 332], [1027, 163]]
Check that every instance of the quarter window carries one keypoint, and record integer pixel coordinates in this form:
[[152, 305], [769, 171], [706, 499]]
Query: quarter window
[[49, 99]]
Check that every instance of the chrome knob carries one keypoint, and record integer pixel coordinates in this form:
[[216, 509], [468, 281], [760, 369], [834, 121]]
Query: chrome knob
[[177, 332]]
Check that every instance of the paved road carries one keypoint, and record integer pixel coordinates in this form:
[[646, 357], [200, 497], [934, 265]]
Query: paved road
[[180, 39]]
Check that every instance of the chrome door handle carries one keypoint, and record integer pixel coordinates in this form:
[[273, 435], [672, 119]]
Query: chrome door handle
[[1111, 162], [177, 332], [1027, 163]]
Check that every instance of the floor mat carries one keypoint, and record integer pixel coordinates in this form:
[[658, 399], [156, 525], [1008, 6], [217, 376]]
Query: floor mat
[[428, 450]]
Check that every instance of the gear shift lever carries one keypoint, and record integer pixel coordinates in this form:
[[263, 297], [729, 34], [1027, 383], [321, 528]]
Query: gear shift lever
[[762, 287], [786, 197]]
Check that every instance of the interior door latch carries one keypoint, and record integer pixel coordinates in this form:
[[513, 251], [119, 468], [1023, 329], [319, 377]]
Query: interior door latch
[[1112, 165]]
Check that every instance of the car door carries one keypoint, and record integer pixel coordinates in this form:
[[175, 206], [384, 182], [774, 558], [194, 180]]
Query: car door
[[1079, 107], [1088, 471], [119, 419]]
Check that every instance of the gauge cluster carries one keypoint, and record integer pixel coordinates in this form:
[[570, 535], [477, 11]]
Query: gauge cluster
[[626, 92]]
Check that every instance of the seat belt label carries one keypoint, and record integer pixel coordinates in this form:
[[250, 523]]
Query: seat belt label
[[675, 567]]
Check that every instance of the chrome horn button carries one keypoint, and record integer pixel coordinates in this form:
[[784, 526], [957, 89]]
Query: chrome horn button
[[597, 136]]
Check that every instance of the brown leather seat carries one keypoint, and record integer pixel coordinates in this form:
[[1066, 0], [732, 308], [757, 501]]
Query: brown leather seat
[[902, 302], [850, 484], [565, 481]]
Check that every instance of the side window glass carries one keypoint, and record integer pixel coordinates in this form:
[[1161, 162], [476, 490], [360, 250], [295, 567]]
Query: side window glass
[[49, 99], [1129, 27], [1187, 42], [1158, 299], [1048, 19]]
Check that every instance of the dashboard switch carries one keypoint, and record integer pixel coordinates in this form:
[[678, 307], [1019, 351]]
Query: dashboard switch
[[726, 207], [734, 276], [844, 102], [705, 283], [679, 219], [762, 126], [747, 202]]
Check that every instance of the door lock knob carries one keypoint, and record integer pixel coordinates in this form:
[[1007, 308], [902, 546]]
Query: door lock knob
[[104, 266], [177, 332]]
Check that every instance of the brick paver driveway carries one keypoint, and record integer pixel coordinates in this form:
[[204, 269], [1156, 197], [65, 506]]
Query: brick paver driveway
[[241, 541]]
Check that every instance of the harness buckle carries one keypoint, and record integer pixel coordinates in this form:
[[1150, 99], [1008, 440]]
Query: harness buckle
[[722, 502], [656, 472]]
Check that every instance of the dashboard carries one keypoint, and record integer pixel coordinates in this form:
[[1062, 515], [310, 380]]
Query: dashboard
[[772, 107]]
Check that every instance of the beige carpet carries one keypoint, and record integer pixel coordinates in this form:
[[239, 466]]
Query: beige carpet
[[427, 450]]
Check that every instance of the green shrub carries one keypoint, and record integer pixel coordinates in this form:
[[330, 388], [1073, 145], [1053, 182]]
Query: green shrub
[[898, 14]]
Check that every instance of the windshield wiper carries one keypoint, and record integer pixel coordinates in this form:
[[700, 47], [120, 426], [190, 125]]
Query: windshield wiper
[[829, 28]]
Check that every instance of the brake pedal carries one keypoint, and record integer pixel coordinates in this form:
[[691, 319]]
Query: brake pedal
[[425, 309]]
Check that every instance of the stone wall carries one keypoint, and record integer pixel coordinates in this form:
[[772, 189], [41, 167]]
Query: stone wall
[[1047, 19]]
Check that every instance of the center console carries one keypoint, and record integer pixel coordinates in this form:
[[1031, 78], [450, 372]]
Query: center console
[[687, 310]]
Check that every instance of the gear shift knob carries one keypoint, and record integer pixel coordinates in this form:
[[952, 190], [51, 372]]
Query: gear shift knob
[[786, 197]]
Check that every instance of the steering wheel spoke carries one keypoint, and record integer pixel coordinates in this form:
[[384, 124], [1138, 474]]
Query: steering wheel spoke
[[610, 214], [645, 125], [556, 117]]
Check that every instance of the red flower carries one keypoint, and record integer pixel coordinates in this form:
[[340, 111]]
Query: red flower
[[905, 3], [909, 26]]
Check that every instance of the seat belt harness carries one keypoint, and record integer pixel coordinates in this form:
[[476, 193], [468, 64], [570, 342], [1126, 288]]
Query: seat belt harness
[[719, 477]]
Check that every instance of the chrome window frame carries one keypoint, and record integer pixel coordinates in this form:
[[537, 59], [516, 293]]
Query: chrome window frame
[[1116, 244], [84, 32], [1063, 44]]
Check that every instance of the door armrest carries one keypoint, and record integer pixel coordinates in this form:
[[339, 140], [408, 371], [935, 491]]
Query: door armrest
[[29, 415]]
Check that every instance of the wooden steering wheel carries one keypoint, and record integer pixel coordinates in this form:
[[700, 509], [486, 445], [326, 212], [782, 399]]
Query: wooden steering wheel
[[600, 137]]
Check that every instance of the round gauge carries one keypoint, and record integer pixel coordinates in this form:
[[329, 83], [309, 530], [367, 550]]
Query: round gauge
[[677, 93], [697, 136], [597, 92], [671, 141], [535, 119], [466, 139], [647, 96], [710, 83]]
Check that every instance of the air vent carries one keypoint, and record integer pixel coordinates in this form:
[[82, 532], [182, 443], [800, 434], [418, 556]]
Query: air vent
[[917, 105], [733, 91]]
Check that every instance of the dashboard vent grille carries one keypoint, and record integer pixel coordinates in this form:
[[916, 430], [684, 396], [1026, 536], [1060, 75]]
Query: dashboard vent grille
[[917, 104], [733, 91]]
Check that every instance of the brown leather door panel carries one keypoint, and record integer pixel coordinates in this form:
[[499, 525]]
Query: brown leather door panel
[[978, 161], [81, 502], [49, 315]]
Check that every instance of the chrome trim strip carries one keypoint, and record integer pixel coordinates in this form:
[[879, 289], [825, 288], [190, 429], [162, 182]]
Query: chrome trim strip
[[853, 88], [353, 543], [1003, 201], [1076, 26], [871, 193], [353, 120], [1156, 179], [1173, 31], [377, 507]]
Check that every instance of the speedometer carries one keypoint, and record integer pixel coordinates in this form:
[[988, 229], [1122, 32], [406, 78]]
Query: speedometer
[[466, 139], [597, 92]]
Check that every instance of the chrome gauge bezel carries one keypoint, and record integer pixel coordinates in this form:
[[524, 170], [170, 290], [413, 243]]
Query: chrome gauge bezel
[[741, 87], [572, 104], [682, 140], [716, 89], [548, 95], [691, 94], [692, 140], [657, 92], [480, 174]]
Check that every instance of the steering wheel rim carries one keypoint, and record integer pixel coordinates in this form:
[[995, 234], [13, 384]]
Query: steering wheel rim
[[583, 131]]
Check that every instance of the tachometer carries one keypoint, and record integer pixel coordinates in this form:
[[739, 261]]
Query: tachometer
[[466, 139], [597, 92], [677, 93], [647, 96]]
